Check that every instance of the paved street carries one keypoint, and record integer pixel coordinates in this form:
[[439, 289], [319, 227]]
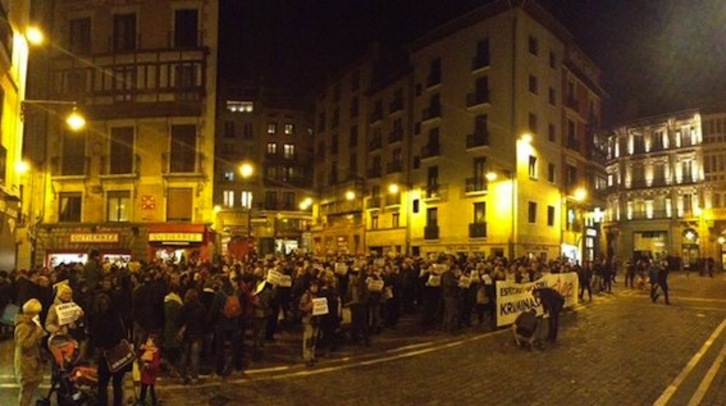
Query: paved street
[[621, 349]]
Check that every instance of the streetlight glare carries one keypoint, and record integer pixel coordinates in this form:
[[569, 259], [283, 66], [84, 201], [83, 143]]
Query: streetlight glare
[[35, 36], [350, 195], [76, 121], [246, 170], [491, 176], [22, 167], [527, 137], [393, 188], [580, 194]]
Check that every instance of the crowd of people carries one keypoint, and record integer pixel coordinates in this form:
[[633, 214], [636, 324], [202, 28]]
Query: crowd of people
[[189, 314]]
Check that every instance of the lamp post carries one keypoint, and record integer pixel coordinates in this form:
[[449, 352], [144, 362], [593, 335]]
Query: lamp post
[[246, 170]]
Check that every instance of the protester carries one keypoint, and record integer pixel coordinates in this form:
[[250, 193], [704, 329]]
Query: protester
[[311, 324], [150, 364], [552, 302], [107, 331], [27, 362], [524, 329]]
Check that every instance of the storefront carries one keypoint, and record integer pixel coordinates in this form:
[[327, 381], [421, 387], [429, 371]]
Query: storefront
[[650, 244], [74, 247], [180, 242], [690, 248]]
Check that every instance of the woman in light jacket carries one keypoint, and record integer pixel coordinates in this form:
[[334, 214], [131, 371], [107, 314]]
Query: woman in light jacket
[[28, 336]]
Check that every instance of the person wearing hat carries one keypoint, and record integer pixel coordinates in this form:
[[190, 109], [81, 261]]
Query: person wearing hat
[[27, 362], [63, 294]]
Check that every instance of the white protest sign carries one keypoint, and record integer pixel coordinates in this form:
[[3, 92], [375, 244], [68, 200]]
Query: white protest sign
[[515, 298], [320, 306], [434, 281], [68, 313], [285, 281], [464, 282], [375, 285], [274, 277]]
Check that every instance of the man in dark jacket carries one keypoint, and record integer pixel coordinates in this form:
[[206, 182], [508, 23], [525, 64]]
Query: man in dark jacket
[[552, 302], [227, 317]]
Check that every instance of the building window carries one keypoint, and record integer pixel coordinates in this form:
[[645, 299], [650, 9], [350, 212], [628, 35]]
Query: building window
[[228, 198], [374, 222], [247, 132], [179, 204], [532, 167], [69, 210], [271, 148], [550, 216], [482, 54], [415, 205], [395, 220], [551, 173], [432, 217], [73, 161], [288, 200], [234, 106], [271, 200], [186, 28], [553, 96], [124, 32], [229, 129], [118, 206], [533, 45], [289, 129], [121, 151], [551, 132], [271, 128], [533, 85], [532, 212], [79, 41], [289, 151], [480, 212], [183, 148], [553, 60], [229, 176], [533, 123], [246, 199]]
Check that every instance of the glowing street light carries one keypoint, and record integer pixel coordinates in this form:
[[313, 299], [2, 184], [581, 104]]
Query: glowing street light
[[350, 195], [35, 36], [22, 167], [580, 194], [393, 188], [527, 137], [76, 121], [491, 176], [306, 203], [246, 170]]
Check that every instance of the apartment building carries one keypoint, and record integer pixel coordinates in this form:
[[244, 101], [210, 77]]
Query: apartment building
[[484, 129], [268, 208], [137, 182], [657, 205], [14, 51]]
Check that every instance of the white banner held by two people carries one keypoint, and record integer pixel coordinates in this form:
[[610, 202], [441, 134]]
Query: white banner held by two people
[[515, 298]]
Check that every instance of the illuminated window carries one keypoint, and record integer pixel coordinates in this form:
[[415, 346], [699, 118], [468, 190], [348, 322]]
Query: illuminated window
[[246, 199], [228, 198], [289, 128], [532, 167], [271, 128], [480, 212], [229, 176], [272, 148], [235, 106], [289, 151], [118, 206], [70, 207], [374, 222]]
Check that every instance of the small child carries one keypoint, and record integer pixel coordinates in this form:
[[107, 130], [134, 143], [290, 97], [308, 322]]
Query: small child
[[150, 362]]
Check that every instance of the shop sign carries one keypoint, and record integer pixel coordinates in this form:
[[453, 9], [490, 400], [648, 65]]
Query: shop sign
[[176, 237], [89, 238]]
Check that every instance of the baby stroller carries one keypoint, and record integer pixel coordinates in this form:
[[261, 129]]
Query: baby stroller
[[73, 383]]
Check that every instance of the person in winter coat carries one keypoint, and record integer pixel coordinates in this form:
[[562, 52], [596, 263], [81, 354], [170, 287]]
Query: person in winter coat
[[191, 331], [64, 294], [552, 302], [227, 315], [311, 324], [172, 344], [106, 330], [27, 362], [150, 364], [262, 305]]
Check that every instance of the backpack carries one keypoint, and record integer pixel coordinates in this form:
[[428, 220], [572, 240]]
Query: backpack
[[232, 307]]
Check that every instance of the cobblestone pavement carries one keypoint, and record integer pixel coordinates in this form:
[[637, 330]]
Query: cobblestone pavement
[[621, 349]]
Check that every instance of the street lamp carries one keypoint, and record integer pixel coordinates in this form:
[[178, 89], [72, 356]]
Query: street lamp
[[349, 195], [246, 170], [393, 188], [35, 36], [75, 120]]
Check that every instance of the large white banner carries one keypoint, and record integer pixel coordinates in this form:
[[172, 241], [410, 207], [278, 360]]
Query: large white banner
[[514, 298]]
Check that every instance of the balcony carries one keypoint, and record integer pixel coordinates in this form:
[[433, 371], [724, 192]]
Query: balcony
[[430, 151], [477, 230], [479, 62], [394, 167], [654, 215], [375, 143], [373, 203], [127, 90], [374, 172], [431, 233], [395, 136], [396, 105], [376, 115], [476, 185], [572, 103], [182, 165], [435, 191], [434, 79], [75, 166], [431, 112], [477, 140], [476, 99], [341, 207], [392, 200], [114, 166], [573, 143]]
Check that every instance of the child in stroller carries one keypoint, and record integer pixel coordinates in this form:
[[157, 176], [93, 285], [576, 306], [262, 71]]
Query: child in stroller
[[72, 382]]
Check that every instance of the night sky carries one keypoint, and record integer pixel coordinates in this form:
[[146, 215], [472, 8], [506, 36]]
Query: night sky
[[656, 55]]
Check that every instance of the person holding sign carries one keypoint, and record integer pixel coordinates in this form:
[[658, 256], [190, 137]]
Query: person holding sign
[[311, 321], [63, 315]]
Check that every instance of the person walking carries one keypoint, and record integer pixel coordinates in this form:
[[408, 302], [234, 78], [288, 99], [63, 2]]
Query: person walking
[[584, 273], [552, 302], [107, 331], [662, 283], [27, 361]]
